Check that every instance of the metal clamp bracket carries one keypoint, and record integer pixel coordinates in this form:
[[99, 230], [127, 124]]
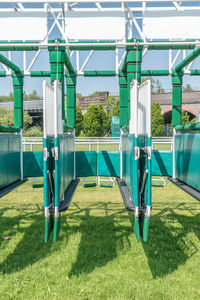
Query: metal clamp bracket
[[149, 152], [136, 153], [45, 154], [55, 152]]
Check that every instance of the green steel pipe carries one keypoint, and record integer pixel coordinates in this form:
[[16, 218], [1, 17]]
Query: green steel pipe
[[188, 60], [57, 59], [99, 73], [177, 81], [188, 127], [2, 73], [195, 72], [9, 129], [40, 73], [9, 64], [71, 99], [154, 73], [123, 99], [68, 64], [18, 99]]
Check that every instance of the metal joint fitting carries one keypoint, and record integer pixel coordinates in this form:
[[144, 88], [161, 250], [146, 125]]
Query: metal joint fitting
[[45, 154], [149, 152], [136, 153]]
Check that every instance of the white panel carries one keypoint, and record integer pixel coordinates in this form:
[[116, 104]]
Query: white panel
[[144, 108], [23, 26], [58, 122], [133, 121], [48, 109], [95, 25], [171, 24]]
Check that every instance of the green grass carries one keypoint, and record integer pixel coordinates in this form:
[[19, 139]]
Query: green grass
[[97, 255]]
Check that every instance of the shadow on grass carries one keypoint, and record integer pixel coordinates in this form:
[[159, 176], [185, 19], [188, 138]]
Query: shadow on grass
[[168, 246], [101, 240], [31, 247]]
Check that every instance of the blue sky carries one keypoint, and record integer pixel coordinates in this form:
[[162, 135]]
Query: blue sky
[[101, 60]]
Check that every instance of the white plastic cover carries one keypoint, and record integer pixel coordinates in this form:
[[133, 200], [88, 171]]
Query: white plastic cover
[[58, 122], [140, 108], [171, 24], [95, 25], [52, 109], [23, 26]]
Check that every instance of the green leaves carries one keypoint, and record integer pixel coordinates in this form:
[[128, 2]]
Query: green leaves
[[95, 121], [157, 120], [79, 121]]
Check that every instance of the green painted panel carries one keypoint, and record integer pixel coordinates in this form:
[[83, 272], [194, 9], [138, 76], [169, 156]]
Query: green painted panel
[[9, 159], [162, 163], [33, 163], [65, 163], [109, 163], [187, 158], [86, 163]]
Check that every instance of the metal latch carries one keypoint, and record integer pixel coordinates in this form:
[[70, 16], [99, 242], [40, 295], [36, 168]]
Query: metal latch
[[136, 153], [45, 153], [55, 152], [149, 152]]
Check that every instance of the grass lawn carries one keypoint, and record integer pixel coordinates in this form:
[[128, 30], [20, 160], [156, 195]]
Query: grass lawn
[[97, 255]]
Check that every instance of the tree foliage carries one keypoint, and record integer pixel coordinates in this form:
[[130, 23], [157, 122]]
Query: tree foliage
[[187, 88], [185, 117], [156, 86], [7, 118], [115, 109], [95, 121], [157, 120], [79, 121]]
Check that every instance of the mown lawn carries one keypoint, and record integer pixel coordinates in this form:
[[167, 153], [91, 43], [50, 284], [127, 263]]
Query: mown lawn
[[97, 255]]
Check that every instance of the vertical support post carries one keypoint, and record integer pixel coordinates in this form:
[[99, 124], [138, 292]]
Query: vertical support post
[[21, 154], [57, 59], [177, 80], [74, 153], [134, 61], [174, 157], [18, 98], [123, 100], [71, 99]]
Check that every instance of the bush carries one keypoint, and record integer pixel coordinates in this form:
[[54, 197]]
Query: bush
[[95, 121], [157, 120], [33, 131], [79, 121], [7, 118]]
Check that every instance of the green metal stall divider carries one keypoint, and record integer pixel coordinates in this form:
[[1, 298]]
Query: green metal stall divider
[[187, 158], [108, 163], [10, 161], [58, 160], [86, 163], [33, 163], [136, 158]]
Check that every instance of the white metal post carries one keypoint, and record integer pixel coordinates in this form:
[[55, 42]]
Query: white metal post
[[174, 162], [21, 154]]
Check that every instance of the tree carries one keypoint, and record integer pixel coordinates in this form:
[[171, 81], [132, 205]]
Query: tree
[[187, 88], [185, 119], [115, 109], [95, 121], [95, 94], [33, 96], [7, 118], [157, 120], [78, 95], [156, 86], [79, 121]]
